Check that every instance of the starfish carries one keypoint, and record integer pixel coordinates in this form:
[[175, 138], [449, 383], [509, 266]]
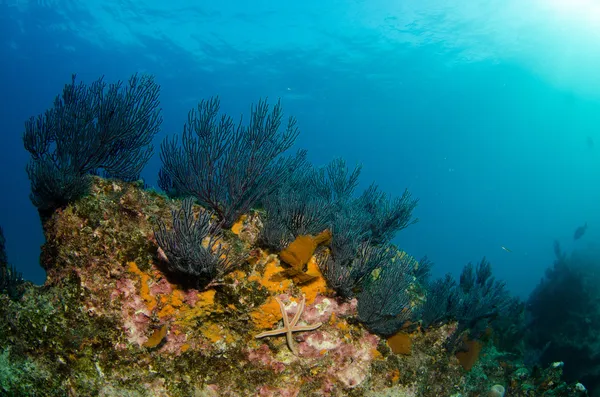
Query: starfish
[[290, 326]]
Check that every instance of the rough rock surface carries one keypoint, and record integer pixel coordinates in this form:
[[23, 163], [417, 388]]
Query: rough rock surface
[[108, 321]]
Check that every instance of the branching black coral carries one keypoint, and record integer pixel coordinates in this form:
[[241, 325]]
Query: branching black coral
[[347, 277], [381, 217], [335, 183], [386, 302], [361, 227], [441, 302], [312, 200], [229, 168], [90, 129], [482, 297], [474, 302], [192, 247], [294, 210]]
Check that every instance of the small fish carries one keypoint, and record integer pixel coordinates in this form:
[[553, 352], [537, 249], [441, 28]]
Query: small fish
[[506, 249], [580, 231]]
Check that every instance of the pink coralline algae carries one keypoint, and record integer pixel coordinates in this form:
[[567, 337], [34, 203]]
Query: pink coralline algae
[[134, 312], [161, 287], [262, 356], [353, 364]]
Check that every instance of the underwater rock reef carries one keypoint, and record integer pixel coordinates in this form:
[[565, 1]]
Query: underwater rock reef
[[112, 319], [256, 274]]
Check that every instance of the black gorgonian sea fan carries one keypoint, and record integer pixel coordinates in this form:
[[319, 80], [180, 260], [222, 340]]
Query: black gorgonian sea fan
[[229, 167], [194, 255], [88, 130], [381, 217], [385, 302], [294, 210], [474, 302], [347, 274]]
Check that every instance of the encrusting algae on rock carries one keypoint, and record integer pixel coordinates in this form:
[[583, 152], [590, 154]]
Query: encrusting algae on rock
[[109, 321]]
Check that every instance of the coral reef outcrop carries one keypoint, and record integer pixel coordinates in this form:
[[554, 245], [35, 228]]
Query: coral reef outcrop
[[110, 322]]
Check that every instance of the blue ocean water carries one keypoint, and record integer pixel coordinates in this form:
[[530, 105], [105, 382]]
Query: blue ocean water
[[488, 112]]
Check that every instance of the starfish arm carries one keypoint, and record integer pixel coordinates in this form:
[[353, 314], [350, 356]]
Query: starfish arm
[[289, 327], [290, 341], [299, 311], [300, 328], [286, 321], [274, 332]]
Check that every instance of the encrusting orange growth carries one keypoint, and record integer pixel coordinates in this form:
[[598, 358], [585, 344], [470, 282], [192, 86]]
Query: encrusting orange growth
[[271, 269], [400, 343], [376, 354], [238, 275], [266, 315], [343, 326], [173, 303], [318, 283], [166, 311], [206, 298], [299, 252], [332, 318], [395, 376], [157, 336], [237, 227], [469, 357], [216, 333], [212, 332], [277, 280], [186, 315], [177, 298], [144, 288], [297, 256]]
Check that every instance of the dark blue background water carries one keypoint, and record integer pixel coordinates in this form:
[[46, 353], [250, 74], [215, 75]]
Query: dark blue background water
[[484, 116]]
